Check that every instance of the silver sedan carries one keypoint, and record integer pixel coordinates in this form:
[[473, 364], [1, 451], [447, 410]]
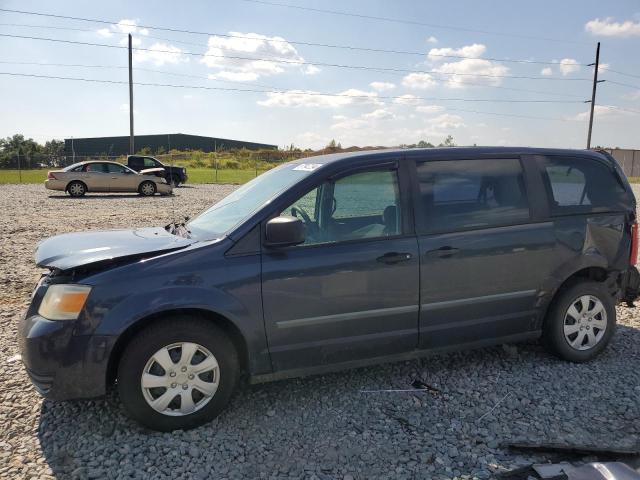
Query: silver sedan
[[98, 176]]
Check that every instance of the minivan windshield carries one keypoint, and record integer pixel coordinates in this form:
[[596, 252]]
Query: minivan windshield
[[233, 209]]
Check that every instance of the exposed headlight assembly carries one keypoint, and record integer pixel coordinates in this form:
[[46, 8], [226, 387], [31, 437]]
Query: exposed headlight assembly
[[63, 302]]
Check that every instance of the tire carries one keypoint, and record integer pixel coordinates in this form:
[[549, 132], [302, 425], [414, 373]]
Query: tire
[[175, 181], [182, 330], [583, 338], [147, 189], [76, 189]]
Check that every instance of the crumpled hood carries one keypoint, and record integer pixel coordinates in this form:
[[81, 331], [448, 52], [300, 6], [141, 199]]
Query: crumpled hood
[[71, 250]]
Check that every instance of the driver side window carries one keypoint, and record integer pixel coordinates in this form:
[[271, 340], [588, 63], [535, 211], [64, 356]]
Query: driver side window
[[359, 206]]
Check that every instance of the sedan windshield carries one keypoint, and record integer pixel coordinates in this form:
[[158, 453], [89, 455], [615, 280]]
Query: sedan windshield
[[233, 209]]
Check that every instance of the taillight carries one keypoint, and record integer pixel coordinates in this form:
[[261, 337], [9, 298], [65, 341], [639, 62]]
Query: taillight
[[51, 176], [633, 256]]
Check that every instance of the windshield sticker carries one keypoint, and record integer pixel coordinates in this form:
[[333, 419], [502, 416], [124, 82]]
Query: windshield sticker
[[308, 167]]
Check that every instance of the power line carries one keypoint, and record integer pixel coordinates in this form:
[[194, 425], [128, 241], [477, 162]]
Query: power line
[[325, 45], [295, 62], [622, 84], [293, 42], [296, 92], [411, 22], [620, 73], [205, 77]]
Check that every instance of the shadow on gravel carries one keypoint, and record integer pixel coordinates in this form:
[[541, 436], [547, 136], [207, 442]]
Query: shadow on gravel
[[348, 423], [105, 196]]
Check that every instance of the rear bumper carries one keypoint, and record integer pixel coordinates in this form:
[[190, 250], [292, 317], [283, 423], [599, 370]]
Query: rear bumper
[[54, 185], [63, 366], [630, 285]]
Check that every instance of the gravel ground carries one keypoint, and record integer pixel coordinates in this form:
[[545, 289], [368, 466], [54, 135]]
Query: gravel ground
[[317, 427]]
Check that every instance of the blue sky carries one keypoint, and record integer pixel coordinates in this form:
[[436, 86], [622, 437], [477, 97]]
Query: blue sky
[[450, 49]]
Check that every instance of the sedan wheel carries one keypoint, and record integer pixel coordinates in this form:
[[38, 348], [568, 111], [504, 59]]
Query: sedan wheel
[[147, 189], [76, 189], [180, 379], [585, 322]]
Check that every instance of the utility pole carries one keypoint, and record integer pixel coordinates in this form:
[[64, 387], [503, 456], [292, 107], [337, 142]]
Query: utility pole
[[593, 93], [131, 145]]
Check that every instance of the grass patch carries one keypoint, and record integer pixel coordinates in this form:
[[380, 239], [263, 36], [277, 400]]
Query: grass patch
[[196, 175]]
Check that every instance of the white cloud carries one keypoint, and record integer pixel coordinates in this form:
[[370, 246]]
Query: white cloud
[[547, 71], [432, 39], [469, 51], [473, 71], [309, 98], [602, 68], [609, 28], [124, 26], [421, 81], [382, 86], [446, 121], [160, 54], [379, 114], [222, 51], [311, 70], [105, 32], [470, 70], [598, 111], [429, 109], [406, 99], [568, 65], [235, 76], [350, 124]]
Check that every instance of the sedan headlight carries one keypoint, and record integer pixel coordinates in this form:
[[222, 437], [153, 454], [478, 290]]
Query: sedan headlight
[[63, 302]]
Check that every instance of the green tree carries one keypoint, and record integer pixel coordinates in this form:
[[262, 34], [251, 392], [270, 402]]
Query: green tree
[[19, 151], [448, 142], [425, 144]]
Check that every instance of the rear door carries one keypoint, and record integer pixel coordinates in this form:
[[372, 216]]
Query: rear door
[[96, 177], [350, 292], [483, 254]]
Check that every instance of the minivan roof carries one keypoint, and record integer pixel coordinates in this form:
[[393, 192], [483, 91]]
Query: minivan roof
[[449, 152]]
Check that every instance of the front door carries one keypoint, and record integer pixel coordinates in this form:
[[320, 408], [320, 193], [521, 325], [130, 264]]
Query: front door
[[122, 179], [483, 257], [350, 291], [96, 177]]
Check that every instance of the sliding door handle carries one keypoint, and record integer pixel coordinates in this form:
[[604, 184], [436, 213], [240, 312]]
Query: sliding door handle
[[443, 252], [394, 257]]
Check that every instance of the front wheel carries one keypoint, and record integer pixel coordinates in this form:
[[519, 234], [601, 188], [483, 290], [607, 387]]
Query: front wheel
[[581, 322], [178, 374], [147, 188]]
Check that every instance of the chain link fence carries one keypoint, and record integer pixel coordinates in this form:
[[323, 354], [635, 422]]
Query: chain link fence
[[215, 167]]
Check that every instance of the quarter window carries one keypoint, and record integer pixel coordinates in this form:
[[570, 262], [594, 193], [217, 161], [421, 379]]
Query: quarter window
[[581, 185], [464, 194], [359, 206]]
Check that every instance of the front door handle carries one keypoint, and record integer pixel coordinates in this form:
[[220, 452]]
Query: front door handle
[[443, 252], [394, 257]]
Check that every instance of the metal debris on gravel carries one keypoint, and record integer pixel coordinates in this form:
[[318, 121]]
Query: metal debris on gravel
[[319, 427]]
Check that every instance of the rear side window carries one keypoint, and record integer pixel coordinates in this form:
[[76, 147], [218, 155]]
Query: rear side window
[[465, 194], [581, 185]]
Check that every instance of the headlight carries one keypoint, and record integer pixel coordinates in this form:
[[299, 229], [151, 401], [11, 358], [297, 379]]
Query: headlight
[[63, 302]]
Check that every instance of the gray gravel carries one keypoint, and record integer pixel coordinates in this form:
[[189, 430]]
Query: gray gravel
[[319, 427]]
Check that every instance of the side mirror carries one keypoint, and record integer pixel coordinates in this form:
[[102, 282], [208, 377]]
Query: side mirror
[[284, 231]]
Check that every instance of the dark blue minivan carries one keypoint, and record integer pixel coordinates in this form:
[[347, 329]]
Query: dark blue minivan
[[333, 262]]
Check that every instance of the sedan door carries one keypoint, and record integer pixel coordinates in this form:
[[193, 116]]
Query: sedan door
[[96, 177], [122, 179], [350, 291]]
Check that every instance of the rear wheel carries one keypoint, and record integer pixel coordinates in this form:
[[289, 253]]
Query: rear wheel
[[76, 189], [178, 374], [581, 322], [147, 188]]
